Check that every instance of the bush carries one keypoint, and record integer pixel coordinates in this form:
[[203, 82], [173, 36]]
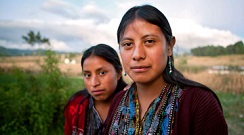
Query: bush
[[32, 103]]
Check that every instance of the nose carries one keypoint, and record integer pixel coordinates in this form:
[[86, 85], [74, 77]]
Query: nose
[[95, 81], [139, 53]]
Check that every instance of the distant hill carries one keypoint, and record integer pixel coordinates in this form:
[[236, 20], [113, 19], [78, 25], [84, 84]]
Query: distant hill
[[15, 52], [19, 52]]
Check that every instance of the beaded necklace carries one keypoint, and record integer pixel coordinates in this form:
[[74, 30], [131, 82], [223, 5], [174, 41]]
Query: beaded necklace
[[159, 117], [152, 107]]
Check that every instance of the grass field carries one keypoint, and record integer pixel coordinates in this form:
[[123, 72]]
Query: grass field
[[233, 111], [229, 87]]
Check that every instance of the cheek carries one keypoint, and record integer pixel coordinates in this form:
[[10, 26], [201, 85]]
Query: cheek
[[161, 60], [160, 51], [87, 85], [125, 59], [111, 83]]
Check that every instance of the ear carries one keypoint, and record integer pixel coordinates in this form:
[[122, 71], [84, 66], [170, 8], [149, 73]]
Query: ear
[[171, 46]]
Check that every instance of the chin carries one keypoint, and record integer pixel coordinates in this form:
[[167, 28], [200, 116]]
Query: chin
[[99, 98], [140, 80], [138, 77]]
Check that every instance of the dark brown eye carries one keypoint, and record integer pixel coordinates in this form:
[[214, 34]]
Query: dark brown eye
[[150, 41], [127, 45], [102, 72], [87, 75]]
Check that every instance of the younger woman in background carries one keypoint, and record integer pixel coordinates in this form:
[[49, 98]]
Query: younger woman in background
[[86, 110]]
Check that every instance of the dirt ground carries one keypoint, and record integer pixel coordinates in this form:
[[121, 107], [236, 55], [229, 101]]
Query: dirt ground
[[33, 63]]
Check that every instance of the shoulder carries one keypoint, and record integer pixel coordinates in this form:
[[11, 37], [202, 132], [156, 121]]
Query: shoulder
[[200, 104], [204, 109], [196, 98], [119, 94], [77, 104], [117, 98], [200, 95], [79, 94], [78, 97]]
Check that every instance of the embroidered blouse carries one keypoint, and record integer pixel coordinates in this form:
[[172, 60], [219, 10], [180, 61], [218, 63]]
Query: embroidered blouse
[[159, 117], [195, 111]]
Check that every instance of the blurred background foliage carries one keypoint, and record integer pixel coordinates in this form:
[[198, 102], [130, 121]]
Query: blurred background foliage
[[32, 103]]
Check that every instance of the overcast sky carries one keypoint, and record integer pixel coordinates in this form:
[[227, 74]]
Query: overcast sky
[[74, 25]]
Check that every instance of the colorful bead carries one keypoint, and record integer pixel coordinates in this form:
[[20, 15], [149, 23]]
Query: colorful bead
[[155, 117]]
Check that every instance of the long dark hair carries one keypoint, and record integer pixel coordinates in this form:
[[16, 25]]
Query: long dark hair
[[156, 17], [110, 55]]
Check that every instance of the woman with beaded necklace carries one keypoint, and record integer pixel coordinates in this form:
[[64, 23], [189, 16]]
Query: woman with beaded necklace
[[161, 100]]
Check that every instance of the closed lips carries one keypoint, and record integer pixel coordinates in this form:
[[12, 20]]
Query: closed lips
[[139, 69]]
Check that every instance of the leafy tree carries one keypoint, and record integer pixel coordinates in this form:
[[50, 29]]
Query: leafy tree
[[237, 48], [210, 50], [35, 39]]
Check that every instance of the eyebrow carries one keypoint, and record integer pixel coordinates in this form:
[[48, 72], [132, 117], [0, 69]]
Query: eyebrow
[[148, 35], [101, 68], [126, 38]]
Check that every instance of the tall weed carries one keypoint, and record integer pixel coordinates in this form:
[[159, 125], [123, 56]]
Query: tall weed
[[32, 103]]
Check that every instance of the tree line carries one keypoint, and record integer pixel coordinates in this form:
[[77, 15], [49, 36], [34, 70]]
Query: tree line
[[210, 50]]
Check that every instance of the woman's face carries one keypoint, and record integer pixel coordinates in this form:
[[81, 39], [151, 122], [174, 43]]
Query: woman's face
[[100, 77], [144, 51]]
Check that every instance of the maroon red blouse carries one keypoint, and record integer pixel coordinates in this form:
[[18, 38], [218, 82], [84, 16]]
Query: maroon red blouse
[[199, 114]]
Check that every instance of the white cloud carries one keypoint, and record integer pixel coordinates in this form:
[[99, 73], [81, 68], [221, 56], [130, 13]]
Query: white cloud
[[189, 34], [60, 45]]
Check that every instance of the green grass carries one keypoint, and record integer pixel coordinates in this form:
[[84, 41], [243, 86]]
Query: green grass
[[77, 83], [33, 102], [233, 107]]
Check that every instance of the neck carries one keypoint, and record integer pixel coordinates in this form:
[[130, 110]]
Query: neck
[[102, 103], [147, 92], [150, 89], [102, 108]]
